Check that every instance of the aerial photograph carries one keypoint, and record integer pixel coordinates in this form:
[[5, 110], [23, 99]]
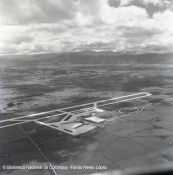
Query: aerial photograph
[[86, 87]]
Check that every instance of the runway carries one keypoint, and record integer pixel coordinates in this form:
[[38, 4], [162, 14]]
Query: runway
[[127, 139], [60, 113]]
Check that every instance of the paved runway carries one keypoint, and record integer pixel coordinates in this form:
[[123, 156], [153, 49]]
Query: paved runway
[[136, 139], [59, 113]]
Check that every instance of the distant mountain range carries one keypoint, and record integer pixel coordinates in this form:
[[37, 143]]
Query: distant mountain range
[[91, 57]]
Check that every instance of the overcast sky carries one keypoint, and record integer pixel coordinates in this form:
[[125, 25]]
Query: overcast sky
[[37, 26]]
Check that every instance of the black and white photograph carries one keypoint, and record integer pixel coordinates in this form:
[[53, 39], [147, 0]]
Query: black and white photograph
[[86, 87]]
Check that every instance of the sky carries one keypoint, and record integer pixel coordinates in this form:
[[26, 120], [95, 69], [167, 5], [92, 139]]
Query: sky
[[41, 26]]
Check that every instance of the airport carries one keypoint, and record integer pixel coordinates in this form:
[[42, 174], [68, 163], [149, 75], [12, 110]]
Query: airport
[[86, 87], [73, 122], [117, 137]]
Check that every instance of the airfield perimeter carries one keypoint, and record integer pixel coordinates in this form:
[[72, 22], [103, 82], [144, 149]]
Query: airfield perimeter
[[135, 136]]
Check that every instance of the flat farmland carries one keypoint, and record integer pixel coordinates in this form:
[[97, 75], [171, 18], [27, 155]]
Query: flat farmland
[[40, 83]]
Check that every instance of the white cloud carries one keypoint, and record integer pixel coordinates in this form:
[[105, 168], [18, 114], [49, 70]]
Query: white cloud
[[154, 2], [125, 2], [65, 25], [165, 20], [34, 11]]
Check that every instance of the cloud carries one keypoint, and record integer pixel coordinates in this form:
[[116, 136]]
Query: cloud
[[151, 6], [146, 2], [34, 11], [61, 26]]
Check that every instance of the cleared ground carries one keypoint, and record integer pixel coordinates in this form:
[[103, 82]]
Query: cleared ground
[[136, 135]]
